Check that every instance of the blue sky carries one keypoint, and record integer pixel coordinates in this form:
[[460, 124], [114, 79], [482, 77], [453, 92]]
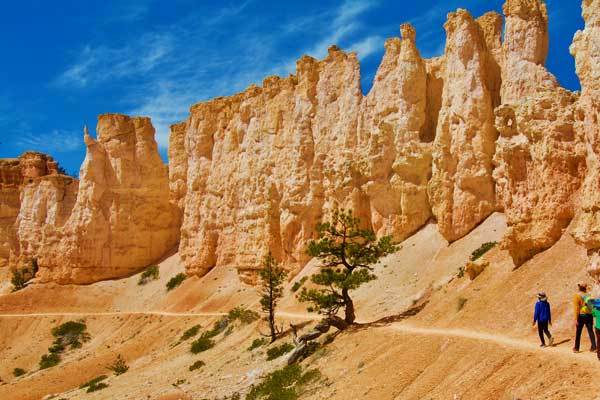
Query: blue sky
[[66, 61]]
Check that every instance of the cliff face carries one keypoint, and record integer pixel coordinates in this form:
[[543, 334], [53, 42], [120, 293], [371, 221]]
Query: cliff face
[[14, 175], [113, 222], [483, 128]]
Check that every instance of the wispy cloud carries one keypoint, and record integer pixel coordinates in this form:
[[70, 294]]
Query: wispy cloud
[[167, 71], [56, 141]]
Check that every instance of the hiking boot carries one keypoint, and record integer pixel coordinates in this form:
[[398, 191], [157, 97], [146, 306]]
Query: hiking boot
[[551, 341], [575, 350], [542, 345], [593, 350]]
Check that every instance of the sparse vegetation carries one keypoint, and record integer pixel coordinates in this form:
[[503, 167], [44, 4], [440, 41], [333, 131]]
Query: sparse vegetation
[[94, 381], [347, 253], [96, 387], [202, 344], [284, 384], [461, 303], [176, 281], [272, 277], [19, 372], [190, 333], [71, 333], [484, 248], [119, 366], [197, 365], [20, 277], [150, 274], [49, 360], [298, 284], [461, 272], [243, 315], [278, 351], [256, 343]]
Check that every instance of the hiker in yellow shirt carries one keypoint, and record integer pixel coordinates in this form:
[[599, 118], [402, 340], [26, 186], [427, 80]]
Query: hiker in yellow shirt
[[583, 317]]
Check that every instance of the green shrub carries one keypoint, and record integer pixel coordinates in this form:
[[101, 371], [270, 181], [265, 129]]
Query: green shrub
[[71, 334], [193, 331], [98, 386], [19, 372], [256, 343], [150, 274], [461, 272], [198, 364], [298, 284], [49, 360], [18, 280], [278, 351], [242, 314], [218, 327], [202, 344], [119, 366], [94, 381], [283, 384], [176, 281], [484, 248]]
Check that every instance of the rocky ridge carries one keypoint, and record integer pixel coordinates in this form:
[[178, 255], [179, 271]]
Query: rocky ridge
[[483, 128]]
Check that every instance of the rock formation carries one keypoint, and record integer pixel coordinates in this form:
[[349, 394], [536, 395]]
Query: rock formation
[[113, 222], [461, 188], [485, 127], [14, 174], [586, 225]]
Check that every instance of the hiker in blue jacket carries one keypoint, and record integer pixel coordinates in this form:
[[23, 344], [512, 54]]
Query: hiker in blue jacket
[[543, 317]]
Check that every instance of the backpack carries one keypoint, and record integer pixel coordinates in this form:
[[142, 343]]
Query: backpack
[[588, 304]]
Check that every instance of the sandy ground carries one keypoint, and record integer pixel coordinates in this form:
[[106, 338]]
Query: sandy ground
[[485, 350]]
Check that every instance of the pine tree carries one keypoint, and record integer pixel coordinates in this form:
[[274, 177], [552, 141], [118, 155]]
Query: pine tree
[[272, 277], [347, 253]]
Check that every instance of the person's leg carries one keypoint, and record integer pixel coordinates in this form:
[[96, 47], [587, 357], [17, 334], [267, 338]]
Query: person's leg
[[541, 328], [598, 342], [589, 324], [547, 332], [578, 333]]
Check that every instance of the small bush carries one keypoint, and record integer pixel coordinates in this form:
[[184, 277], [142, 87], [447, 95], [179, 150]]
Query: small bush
[[298, 284], [461, 303], [176, 281], [256, 343], [242, 314], [484, 248], [197, 365], [283, 384], [461, 272], [193, 331], [202, 344], [94, 381], [19, 372], [218, 327], [70, 334], [18, 280], [278, 351], [49, 360], [98, 386], [150, 274], [119, 367]]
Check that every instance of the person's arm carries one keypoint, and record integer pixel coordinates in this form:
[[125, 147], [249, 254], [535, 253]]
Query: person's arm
[[549, 314], [536, 312]]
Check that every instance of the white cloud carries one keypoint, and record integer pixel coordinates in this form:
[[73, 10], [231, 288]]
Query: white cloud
[[57, 141], [368, 46]]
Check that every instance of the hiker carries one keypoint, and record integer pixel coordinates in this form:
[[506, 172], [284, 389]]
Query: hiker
[[543, 317], [596, 314], [583, 317]]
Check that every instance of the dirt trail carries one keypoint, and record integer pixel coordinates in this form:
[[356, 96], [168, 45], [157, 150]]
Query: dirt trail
[[501, 340]]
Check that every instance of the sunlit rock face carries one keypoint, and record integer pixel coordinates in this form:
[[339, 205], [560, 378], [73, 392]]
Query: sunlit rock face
[[461, 189], [117, 219], [586, 224], [265, 166]]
